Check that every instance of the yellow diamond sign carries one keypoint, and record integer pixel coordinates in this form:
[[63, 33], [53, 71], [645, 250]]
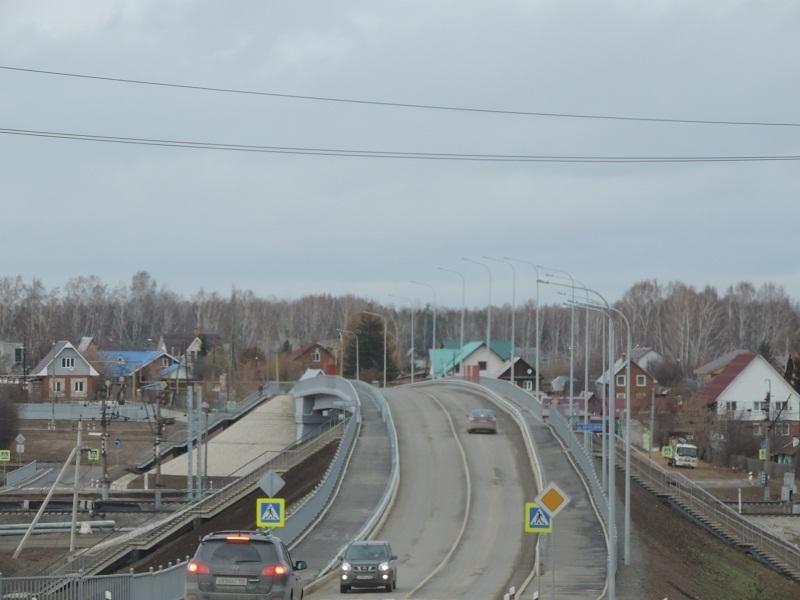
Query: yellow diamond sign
[[552, 499]]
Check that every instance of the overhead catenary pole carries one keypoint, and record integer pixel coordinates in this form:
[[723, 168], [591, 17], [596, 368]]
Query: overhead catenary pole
[[189, 444], [75, 487]]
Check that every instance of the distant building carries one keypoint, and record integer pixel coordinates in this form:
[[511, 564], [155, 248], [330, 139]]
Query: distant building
[[64, 374]]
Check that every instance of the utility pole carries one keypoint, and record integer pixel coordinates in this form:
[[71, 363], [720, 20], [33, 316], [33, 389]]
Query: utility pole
[[104, 483]]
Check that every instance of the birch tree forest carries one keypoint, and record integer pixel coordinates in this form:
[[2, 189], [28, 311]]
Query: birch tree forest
[[688, 326]]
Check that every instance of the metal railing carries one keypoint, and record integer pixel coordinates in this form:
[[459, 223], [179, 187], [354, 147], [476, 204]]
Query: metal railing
[[700, 503]]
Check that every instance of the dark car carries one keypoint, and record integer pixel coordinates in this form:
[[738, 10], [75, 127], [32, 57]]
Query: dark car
[[243, 564], [481, 419], [368, 564]]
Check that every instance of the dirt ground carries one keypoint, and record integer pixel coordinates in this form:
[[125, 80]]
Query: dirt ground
[[674, 558]]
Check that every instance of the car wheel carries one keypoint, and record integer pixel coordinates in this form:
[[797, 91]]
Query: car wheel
[[394, 584], [343, 589], [388, 587]]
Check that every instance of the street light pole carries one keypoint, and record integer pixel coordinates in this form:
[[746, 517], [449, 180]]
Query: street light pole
[[571, 339], [385, 333], [612, 494], [513, 309], [358, 371], [433, 289], [627, 553], [488, 309], [411, 341], [463, 304], [536, 268]]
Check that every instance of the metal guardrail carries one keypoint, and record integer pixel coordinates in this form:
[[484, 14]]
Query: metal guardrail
[[703, 504]]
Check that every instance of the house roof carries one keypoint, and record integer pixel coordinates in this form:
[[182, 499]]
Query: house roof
[[122, 363], [305, 348], [445, 359], [506, 368], [41, 369], [178, 342], [620, 364], [731, 371], [501, 348], [718, 363]]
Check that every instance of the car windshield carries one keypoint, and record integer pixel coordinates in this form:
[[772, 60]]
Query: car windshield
[[482, 414], [222, 552], [687, 451], [366, 552]]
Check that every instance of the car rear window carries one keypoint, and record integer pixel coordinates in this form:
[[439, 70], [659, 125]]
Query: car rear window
[[222, 552], [482, 414]]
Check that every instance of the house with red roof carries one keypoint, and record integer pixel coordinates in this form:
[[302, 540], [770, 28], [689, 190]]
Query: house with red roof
[[314, 355], [748, 388]]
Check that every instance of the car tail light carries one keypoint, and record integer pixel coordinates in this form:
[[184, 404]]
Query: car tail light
[[471, 419], [272, 570], [494, 419], [198, 568]]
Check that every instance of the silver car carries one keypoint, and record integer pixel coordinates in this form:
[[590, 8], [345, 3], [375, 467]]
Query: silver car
[[368, 564], [243, 564], [481, 419]]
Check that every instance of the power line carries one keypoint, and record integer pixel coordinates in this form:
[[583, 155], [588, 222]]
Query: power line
[[407, 105], [388, 154]]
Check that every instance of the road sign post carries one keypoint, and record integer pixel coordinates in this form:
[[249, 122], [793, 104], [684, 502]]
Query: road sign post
[[552, 499], [270, 512]]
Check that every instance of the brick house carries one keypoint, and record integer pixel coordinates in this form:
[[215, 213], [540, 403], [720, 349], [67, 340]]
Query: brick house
[[64, 374], [314, 355]]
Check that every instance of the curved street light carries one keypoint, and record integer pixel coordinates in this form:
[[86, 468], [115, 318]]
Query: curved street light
[[385, 333], [433, 289], [411, 344], [513, 308], [358, 370], [463, 297], [488, 308]]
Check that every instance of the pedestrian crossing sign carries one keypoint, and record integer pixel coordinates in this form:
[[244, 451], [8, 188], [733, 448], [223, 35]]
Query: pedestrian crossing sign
[[5, 455], [270, 512], [537, 520], [93, 454]]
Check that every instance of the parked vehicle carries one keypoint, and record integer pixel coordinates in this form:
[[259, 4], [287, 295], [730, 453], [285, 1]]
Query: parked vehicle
[[368, 564], [481, 419], [243, 564], [683, 454]]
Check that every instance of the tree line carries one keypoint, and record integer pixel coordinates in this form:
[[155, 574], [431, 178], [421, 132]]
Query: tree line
[[688, 326]]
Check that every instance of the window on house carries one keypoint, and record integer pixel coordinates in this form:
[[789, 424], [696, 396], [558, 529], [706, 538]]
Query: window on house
[[68, 362], [164, 361], [482, 365], [315, 356], [782, 406], [782, 428], [621, 395], [59, 386], [79, 385], [758, 430], [758, 406], [528, 385], [730, 406], [18, 355], [641, 380]]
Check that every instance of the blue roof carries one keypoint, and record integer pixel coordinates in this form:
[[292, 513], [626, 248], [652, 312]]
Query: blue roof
[[122, 363]]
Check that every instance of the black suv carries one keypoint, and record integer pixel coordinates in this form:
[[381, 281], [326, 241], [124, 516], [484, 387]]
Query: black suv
[[368, 564], [243, 564]]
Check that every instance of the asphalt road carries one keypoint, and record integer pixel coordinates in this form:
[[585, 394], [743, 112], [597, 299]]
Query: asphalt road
[[456, 523]]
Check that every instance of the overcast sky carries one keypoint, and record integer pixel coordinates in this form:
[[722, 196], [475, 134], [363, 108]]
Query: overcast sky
[[290, 224]]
